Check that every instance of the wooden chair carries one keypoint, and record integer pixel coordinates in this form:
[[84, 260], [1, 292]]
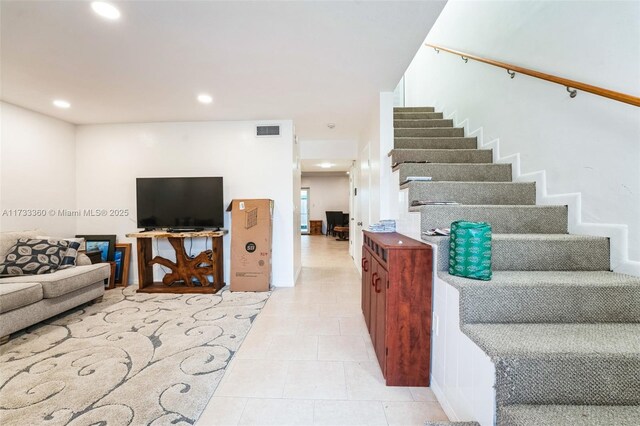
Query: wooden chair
[[334, 218]]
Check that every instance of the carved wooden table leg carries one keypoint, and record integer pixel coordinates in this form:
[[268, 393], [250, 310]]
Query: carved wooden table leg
[[218, 275], [185, 268], [145, 270]]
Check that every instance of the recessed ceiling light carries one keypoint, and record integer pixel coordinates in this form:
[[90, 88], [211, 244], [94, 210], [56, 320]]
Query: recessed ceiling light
[[325, 165], [204, 98], [60, 103], [106, 10]]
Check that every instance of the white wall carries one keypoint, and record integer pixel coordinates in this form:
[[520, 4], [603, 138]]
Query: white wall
[[326, 193], [37, 171], [373, 167], [378, 137], [110, 157], [386, 145], [586, 148], [329, 149]]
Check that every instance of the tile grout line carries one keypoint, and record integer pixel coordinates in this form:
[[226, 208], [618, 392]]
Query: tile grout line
[[244, 407], [385, 412]]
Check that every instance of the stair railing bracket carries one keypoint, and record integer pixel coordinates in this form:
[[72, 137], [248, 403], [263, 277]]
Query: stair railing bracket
[[511, 73], [572, 92], [465, 59], [436, 49]]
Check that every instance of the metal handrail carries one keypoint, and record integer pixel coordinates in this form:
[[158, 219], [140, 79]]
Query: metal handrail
[[571, 85]]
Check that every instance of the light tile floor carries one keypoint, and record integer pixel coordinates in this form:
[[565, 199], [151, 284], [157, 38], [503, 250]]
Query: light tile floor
[[308, 359]]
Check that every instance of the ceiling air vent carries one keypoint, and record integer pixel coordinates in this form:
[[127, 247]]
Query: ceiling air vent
[[267, 130]]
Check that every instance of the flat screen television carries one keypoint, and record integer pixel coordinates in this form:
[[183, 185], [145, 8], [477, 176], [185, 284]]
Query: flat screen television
[[180, 202]]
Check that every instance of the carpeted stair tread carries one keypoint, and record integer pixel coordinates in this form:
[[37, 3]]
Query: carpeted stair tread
[[429, 132], [546, 278], [550, 252], [441, 155], [592, 364], [548, 297], [569, 415], [474, 193], [413, 109], [457, 172], [425, 123], [451, 143], [416, 115], [525, 219], [549, 237], [537, 252]]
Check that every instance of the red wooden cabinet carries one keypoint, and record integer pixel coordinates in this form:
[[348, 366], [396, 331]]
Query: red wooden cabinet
[[397, 276]]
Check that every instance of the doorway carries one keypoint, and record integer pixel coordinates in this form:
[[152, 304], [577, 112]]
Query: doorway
[[304, 210]]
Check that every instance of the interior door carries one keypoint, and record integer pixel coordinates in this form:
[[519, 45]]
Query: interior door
[[361, 210], [353, 210]]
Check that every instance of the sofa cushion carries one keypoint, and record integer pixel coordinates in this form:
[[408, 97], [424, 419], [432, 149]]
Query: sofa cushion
[[9, 239], [66, 280], [82, 259], [34, 257], [17, 295]]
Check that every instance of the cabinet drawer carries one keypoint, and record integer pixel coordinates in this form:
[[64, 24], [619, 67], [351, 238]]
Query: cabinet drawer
[[380, 252]]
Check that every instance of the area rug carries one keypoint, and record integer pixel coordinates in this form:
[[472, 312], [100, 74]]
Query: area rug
[[133, 359]]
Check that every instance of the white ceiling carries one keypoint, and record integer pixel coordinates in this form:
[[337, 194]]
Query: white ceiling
[[314, 62]]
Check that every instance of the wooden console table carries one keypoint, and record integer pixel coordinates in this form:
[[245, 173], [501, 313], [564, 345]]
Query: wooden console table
[[185, 268]]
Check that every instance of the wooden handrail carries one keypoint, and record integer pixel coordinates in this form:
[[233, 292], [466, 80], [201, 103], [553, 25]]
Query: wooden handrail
[[569, 84]]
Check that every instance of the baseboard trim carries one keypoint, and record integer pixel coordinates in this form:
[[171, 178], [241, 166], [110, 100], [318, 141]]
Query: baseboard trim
[[444, 402]]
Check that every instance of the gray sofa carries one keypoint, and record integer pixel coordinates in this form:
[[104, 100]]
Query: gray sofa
[[28, 299]]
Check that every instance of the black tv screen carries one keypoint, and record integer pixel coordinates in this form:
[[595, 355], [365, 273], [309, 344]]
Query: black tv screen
[[180, 202]]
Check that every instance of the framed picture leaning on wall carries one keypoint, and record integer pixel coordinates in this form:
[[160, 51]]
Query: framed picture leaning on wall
[[122, 257], [106, 244]]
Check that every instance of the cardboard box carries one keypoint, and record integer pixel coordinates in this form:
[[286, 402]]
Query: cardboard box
[[251, 236]]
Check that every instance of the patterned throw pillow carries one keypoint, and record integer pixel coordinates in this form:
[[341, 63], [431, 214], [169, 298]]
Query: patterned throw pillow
[[69, 259], [34, 257], [70, 255]]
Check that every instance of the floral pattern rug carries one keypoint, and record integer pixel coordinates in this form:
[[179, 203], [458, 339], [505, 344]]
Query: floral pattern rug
[[133, 359]]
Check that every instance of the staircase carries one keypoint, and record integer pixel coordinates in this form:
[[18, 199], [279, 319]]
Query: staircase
[[562, 330]]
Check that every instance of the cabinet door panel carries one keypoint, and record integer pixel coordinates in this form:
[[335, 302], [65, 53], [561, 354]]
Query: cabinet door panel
[[366, 287], [373, 302], [380, 292]]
